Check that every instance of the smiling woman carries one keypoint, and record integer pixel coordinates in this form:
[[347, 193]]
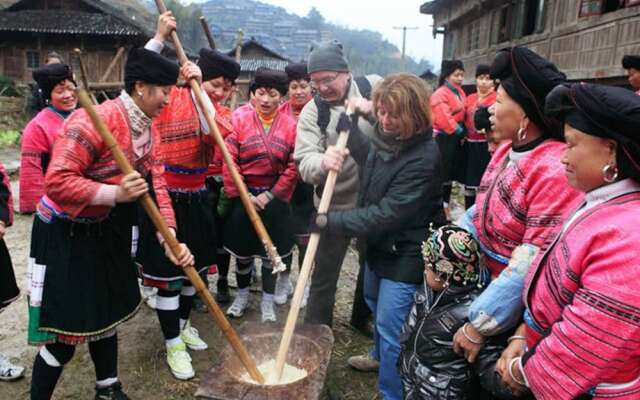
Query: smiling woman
[[581, 299], [262, 148], [58, 89]]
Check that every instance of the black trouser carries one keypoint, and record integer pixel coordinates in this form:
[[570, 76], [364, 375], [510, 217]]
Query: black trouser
[[104, 353], [244, 269], [322, 295], [360, 313]]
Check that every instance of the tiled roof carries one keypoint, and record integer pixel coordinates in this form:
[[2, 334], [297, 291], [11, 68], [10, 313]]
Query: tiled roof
[[65, 22], [251, 65]]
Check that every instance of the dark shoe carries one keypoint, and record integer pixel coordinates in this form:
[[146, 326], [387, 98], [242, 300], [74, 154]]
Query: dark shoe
[[365, 328], [222, 294], [199, 306], [113, 392]]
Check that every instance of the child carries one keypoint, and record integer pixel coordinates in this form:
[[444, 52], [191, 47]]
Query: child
[[429, 367]]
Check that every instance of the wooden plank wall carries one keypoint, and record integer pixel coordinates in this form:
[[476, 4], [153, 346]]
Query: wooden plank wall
[[13, 60], [583, 48]]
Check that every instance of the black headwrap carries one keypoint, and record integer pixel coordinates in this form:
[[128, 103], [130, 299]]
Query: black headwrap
[[215, 64], [630, 61], [271, 79], [604, 111], [481, 118], [483, 69], [448, 67], [297, 72], [50, 76], [528, 78], [149, 67]]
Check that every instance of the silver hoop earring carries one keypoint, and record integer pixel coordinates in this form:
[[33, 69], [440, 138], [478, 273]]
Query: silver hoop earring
[[522, 134], [609, 173], [140, 94]]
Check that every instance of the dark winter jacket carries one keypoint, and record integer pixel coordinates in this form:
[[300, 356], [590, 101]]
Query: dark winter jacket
[[400, 195], [429, 367]]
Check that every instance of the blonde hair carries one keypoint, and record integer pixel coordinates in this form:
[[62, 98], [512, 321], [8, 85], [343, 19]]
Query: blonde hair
[[406, 97]]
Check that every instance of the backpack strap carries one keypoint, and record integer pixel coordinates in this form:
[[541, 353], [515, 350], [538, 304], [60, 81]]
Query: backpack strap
[[324, 114], [364, 86]]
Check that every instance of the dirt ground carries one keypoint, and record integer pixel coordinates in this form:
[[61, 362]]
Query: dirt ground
[[142, 365]]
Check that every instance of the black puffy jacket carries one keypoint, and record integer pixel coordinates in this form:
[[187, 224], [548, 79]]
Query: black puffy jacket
[[400, 196], [429, 367]]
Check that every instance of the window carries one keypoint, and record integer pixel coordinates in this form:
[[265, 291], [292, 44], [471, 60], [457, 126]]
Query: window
[[450, 44], [598, 7], [33, 59], [612, 5], [504, 24], [528, 17]]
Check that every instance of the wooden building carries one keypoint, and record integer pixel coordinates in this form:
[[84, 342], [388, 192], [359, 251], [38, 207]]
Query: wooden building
[[586, 39], [30, 29]]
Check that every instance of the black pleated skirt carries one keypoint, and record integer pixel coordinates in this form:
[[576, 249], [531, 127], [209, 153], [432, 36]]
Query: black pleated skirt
[[8, 288], [90, 282], [477, 159], [241, 239], [196, 228]]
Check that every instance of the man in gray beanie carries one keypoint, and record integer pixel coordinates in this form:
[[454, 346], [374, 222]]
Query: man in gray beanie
[[315, 154]]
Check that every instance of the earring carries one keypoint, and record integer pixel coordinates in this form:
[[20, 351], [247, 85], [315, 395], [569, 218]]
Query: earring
[[522, 134], [610, 173], [140, 94]]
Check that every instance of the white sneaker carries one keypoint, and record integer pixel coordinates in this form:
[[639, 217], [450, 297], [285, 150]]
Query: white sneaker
[[305, 296], [8, 370], [149, 295], [239, 305], [180, 362], [191, 338], [284, 289], [268, 311]]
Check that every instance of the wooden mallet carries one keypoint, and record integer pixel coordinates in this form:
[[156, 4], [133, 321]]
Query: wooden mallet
[[307, 263], [162, 227], [207, 32], [261, 231]]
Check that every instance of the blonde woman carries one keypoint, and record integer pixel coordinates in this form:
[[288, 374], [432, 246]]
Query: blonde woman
[[400, 196]]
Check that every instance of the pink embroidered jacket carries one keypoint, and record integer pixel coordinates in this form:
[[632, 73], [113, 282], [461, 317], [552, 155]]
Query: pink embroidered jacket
[[471, 106], [264, 159], [583, 296], [37, 143], [225, 125], [81, 164], [290, 110], [522, 203], [447, 108]]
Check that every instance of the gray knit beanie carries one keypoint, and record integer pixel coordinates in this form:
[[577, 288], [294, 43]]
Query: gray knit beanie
[[327, 57]]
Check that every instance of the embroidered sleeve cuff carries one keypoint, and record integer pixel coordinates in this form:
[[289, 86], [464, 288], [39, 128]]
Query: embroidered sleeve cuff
[[106, 196], [154, 45]]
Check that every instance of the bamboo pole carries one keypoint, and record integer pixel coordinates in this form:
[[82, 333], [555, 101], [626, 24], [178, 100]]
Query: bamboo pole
[[112, 65], [207, 32], [162, 227], [234, 96], [83, 75], [270, 249], [307, 264]]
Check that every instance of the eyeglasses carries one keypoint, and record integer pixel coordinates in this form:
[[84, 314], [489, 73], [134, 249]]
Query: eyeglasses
[[324, 81]]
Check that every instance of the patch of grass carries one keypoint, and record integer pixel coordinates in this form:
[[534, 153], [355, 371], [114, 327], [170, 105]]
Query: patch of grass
[[9, 138]]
